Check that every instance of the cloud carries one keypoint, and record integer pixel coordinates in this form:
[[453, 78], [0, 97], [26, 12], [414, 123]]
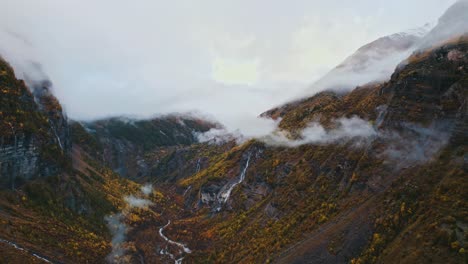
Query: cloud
[[240, 129], [414, 144], [118, 227], [232, 71], [182, 56], [452, 23], [147, 189], [22, 56], [353, 128], [367, 66], [133, 201], [217, 136], [409, 145], [267, 131], [225, 58]]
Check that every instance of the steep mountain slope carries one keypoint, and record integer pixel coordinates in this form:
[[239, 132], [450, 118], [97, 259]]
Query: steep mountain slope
[[52, 199], [369, 66], [427, 92], [366, 202], [373, 62], [30, 143], [125, 144], [397, 197], [451, 24]]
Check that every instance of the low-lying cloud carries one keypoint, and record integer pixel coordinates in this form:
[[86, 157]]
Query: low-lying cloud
[[346, 129], [133, 201], [147, 189], [118, 227], [414, 144], [411, 144], [239, 129]]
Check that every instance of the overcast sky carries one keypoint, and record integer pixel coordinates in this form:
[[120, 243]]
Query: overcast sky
[[225, 58]]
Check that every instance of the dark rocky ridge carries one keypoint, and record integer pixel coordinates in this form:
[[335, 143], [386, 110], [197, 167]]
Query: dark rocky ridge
[[128, 146]]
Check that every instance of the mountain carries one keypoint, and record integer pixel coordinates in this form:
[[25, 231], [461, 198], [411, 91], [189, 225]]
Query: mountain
[[125, 190], [53, 198], [397, 198], [452, 24], [126, 144], [374, 62], [33, 131], [346, 202]]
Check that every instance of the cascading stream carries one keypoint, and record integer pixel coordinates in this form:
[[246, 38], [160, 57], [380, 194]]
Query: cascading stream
[[223, 196], [186, 190], [56, 134], [197, 170], [180, 245]]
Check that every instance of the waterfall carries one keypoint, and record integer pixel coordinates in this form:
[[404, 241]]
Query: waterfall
[[58, 138], [186, 190], [223, 196], [197, 170]]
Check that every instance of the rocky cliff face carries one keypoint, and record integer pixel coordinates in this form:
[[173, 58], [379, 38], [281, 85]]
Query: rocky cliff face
[[50, 106], [431, 88], [33, 136], [53, 198], [19, 161]]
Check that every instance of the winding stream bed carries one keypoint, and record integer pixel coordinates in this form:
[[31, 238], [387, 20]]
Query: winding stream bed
[[178, 244], [16, 246]]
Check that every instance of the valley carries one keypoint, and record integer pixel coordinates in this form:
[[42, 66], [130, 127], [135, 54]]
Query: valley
[[373, 173]]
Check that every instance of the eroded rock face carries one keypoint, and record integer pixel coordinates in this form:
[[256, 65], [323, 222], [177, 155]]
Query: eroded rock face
[[425, 90], [34, 138], [49, 105], [18, 161]]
